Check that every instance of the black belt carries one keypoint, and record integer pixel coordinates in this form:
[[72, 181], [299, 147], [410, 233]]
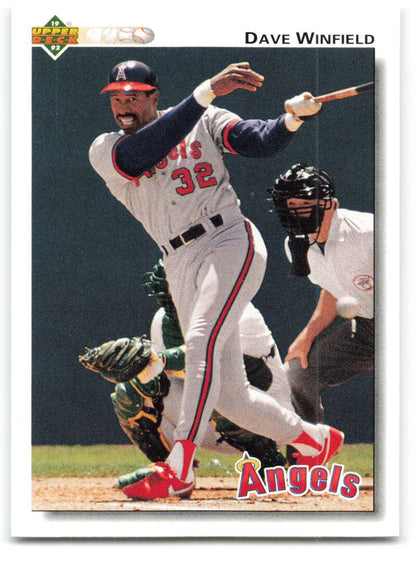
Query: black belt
[[194, 232]]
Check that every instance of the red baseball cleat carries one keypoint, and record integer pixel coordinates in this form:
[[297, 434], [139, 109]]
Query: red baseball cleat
[[160, 484], [332, 445]]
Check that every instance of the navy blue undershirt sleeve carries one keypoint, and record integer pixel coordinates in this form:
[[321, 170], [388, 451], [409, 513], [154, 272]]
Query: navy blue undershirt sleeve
[[259, 138], [138, 152]]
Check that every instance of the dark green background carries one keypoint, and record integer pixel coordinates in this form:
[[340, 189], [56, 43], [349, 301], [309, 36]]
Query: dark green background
[[89, 254]]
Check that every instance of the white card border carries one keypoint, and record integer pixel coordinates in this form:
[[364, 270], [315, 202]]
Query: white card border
[[26, 523]]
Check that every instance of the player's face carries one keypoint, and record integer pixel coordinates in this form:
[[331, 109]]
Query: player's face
[[302, 206], [134, 110]]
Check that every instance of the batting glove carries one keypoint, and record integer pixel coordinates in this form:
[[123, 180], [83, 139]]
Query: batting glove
[[303, 107]]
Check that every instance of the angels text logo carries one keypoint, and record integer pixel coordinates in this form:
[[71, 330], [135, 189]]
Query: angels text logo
[[296, 480]]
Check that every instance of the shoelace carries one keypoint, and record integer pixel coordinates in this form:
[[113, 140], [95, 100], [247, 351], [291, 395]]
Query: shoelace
[[164, 470]]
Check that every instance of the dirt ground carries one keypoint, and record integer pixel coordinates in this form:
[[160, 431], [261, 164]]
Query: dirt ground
[[211, 494]]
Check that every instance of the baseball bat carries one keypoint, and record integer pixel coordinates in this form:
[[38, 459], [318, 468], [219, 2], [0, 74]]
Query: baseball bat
[[345, 93]]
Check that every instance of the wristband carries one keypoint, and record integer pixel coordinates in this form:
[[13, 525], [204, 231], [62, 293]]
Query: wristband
[[174, 359], [204, 94], [292, 123]]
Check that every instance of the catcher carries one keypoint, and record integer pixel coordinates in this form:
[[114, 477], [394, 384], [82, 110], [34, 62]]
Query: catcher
[[150, 381]]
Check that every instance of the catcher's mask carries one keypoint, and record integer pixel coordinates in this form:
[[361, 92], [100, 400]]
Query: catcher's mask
[[308, 184], [156, 286]]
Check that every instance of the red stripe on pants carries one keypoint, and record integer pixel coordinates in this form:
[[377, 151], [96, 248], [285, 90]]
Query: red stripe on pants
[[206, 384]]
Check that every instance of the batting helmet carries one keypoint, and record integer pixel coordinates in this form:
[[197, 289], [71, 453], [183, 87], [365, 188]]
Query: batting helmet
[[131, 76], [306, 183]]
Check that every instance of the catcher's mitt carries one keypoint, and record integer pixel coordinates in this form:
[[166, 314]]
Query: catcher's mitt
[[119, 361]]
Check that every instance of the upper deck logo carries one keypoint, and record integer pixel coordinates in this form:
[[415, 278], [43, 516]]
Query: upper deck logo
[[55, 36]]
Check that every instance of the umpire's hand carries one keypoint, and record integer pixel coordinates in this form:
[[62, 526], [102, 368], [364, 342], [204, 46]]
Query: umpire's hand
[[299, 350]]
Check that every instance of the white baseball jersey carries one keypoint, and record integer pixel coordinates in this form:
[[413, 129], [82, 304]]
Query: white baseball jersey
[[191, 182], [346, 268]]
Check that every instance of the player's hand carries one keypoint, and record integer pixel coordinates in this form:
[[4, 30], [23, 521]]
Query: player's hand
[[153, 368], [236, 76], [299, 350], [303, 106]]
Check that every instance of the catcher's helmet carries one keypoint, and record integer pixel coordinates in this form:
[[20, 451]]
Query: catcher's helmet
[[306, 183], [132, 76]]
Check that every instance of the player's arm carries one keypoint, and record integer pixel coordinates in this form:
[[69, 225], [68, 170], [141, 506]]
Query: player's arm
[[256, 138], [323, 315], [170, 360], [174, 359], [136, 153]]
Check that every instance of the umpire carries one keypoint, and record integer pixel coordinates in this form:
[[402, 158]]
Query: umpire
[[334, 247]]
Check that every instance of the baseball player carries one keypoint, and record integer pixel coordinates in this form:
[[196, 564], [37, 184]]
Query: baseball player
[[166, 167], [264, 369], [150, 421], [335, 248]]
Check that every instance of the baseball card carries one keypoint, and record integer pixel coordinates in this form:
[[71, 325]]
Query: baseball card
[[202, 272]]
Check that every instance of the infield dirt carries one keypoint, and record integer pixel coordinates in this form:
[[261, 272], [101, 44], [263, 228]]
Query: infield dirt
[[211, 494]]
